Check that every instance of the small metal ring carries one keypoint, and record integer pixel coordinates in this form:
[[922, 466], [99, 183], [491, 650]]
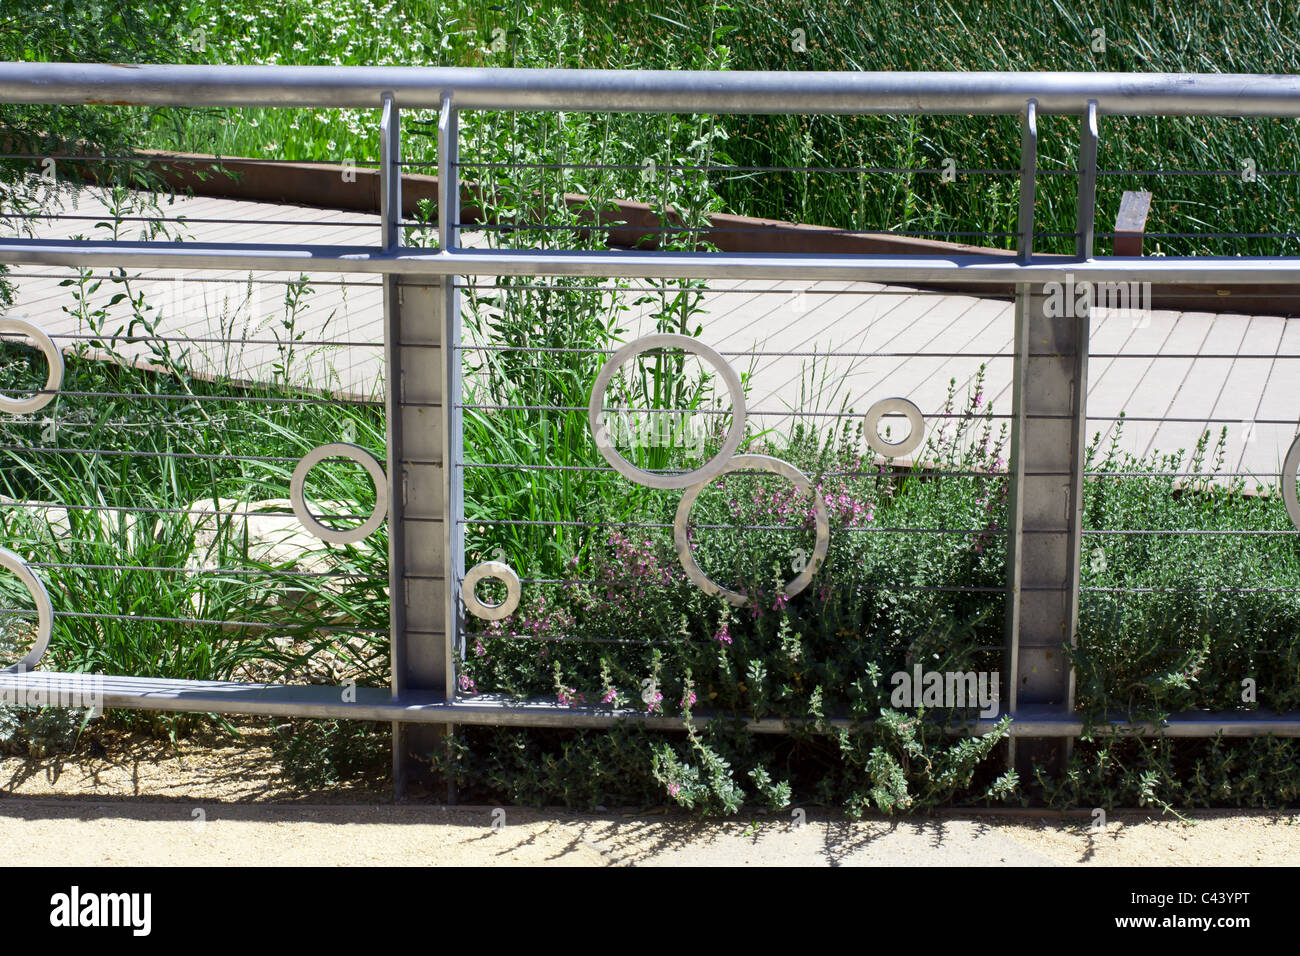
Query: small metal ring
[[894, 449], [53, 358], [490, 569], [44, 611], [711, 468], [1289, 482], [753, 463], [309, 521]]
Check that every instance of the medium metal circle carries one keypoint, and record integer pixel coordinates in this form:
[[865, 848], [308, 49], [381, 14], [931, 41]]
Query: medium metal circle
[[753, 463], [490, 569], [711, 468], [886, 406], [1289, 482], [309, 521], [44, 610], [53, 358]]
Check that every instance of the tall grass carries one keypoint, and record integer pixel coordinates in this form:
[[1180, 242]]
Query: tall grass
[[888, 35]]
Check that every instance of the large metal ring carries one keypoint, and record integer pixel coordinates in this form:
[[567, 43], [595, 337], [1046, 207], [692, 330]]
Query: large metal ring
[[1288, 482], [53, 358], [753, 463], [44, 610], [309, 521], [894, 449], [710, 469], [490, 569]]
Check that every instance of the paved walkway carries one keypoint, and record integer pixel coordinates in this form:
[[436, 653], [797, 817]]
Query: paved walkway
[[1204, 370], [201, 833]]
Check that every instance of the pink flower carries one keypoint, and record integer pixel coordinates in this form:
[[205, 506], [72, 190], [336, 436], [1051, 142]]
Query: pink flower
[[674, 789]]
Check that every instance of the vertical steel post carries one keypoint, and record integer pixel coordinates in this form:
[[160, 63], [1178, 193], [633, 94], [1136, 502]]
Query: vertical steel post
[[414, 320], [1049, 398], [1015, 475], [452, 429]]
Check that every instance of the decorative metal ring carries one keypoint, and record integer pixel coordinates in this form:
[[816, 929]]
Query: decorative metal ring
[[753, 463], [44, 610], [309, 521], [894, 449], [710, 469], [1289, 482], [490, 569], [53, 358]]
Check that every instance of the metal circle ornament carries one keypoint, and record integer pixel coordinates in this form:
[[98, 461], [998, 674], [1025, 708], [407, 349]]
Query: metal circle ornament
[[481, 609], [710, 469], [309, 521], [53, 358], [1289, 468], [44, 610], [894, 406], [753, 463]]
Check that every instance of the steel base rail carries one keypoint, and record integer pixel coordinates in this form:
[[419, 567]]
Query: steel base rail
[[51, 688], [650, 91]]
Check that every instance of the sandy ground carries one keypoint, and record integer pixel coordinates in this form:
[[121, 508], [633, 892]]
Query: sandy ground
[[218, 801]]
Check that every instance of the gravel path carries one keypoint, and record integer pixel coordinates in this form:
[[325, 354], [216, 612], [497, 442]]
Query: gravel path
[[219, 800]]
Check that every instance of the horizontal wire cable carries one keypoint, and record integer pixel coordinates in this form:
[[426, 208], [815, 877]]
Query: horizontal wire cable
[[707, 290], [197, 513], [187, 220], [1189, 355], [652, 642], [717, 411], [183, 161], [830, 353], [188, 278], [133, 453], [154, 619], [1192, 421], [1206, 475], [251, 399], [1181, 590], [766, 230], [1194, 172], [135, 339], [663, 526], [824, 474], [252, 572], [964, 588], [681, 167], [1200, 235], [1191, 531]]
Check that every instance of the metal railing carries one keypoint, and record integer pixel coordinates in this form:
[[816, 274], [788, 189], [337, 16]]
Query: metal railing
[[421, 485]]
